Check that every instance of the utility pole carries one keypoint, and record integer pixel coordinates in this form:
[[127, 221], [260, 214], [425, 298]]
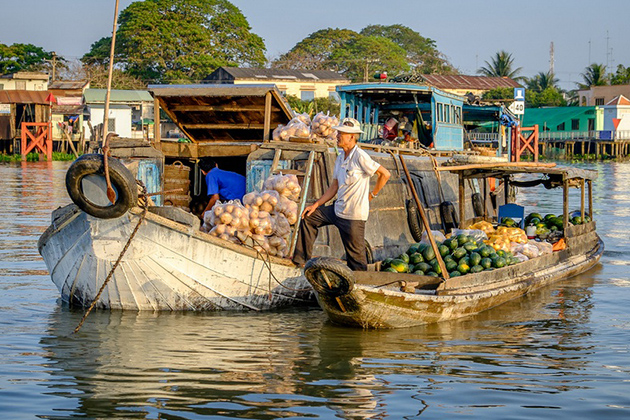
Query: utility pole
[[53, 64], [366, 71], [551, 59]]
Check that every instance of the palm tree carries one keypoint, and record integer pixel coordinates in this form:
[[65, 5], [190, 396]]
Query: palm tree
[[594, 75], [501, 66], [543, 81]]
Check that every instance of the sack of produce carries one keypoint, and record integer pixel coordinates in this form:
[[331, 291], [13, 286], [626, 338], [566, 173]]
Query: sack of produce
[[286, 185], [229, 221], [322, 125], [483, 226], [475, 234], [263, 200], [275, 135], [304, 118]]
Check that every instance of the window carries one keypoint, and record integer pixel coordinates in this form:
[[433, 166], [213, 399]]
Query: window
[[560, 127], [447, 113], [591, 124], [440, 113], [20, 84], [583, 102], [111, 124], [334, 96], [1, 86], [458, 115], [575, 125], [599, 101], [307, 95]]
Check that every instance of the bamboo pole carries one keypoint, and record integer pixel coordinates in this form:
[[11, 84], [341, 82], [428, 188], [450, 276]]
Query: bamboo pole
[[425, 221], [565, 205], [590, 199], [110, 73], [462, 201], [582, 200]]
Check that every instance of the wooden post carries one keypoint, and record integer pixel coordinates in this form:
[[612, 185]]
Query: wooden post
[[506, 188], [582, 200], [156, 124], [267, 118], [425, 221], [485, 196], [462, 201], [565, 205], [590, 199]]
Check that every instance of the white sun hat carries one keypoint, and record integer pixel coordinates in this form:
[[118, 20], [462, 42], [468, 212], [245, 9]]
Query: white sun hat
[[349, 125]]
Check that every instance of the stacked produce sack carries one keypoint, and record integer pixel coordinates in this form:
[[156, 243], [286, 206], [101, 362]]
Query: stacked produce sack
[[318, 130], [263, 220]]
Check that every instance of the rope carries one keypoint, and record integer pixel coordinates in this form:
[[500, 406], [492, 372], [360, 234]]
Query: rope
[[122, 253]]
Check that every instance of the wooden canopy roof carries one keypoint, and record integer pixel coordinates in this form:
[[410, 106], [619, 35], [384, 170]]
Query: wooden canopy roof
[[224, 113]]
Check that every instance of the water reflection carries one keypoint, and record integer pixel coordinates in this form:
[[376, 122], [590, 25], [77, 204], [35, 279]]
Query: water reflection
[[294, 364]]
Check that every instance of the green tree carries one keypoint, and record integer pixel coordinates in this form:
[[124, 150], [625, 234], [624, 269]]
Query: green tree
[[549, 96], [178, 41], [18, 57], [358, 60], [542, 81], [314, 51], [422, 53], [594, 75], [621, 76], [499, 93], [501, 65]]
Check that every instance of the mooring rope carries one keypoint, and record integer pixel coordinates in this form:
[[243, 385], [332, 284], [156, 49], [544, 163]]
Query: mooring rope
[[145, 208]]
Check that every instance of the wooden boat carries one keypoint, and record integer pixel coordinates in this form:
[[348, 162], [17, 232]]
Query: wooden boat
[[169, 264], [375, 299]]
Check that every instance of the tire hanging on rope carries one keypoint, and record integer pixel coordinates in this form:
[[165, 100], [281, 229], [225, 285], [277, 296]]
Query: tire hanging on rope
[[83, 179]]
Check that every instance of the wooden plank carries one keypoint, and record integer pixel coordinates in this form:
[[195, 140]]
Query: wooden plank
[[267, 121], [582, 193], [218, 108], [462, 201], [223, 126], [565, 205], [302, 201], [496, 165], [157, 135], [590, 199]]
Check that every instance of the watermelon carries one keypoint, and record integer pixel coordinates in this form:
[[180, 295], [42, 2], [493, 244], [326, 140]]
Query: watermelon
[[413, 249], [486, 262], [416, 258], [454, 273], [450, 265], [432, 274], [404, 256], [444, 250], [475, 259], [499, 262], [390, 270], [451, 243], [424, 267], [476, 269], [459, 253], [465, 260], [470, 246], [501, 253], [436, 266], [462, 239], [386, 262], [400, 266], [463, 268], [428, 254], [485, 251]]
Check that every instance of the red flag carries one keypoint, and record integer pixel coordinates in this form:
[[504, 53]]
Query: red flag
[[616, 122], [51, 98]]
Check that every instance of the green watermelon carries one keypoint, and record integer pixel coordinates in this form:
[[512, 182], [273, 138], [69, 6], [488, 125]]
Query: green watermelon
[[465, 260], [475, 259], [500, 253], [462, 239], [459, 253], [463, 268], [454, 273], [450, 265], [416, 258], [499, 262], [451, 243], [436, 266], [476, 269], [486, 262], [390, 270], [424, 267], [400, 265], [386, 262], [404, 256], [413, 249], [428, 254], [444, 250], [448, 258], [485, 251], [432, 274], [470, 246]]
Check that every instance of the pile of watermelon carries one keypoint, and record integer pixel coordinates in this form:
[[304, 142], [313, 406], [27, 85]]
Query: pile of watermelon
[[461, 255], [551, 223]]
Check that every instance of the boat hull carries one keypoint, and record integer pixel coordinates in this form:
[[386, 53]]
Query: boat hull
[[369, 306], [167, 266]]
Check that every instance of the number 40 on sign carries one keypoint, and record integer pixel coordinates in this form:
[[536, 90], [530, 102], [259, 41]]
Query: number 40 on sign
[[517, 107]]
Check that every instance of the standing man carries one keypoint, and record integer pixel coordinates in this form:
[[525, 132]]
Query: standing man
[[222, 185], [351, 184]]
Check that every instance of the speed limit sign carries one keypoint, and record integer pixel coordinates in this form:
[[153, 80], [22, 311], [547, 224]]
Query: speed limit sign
[[517, 107]]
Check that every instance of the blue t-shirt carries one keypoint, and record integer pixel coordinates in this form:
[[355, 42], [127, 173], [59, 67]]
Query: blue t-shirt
[[229, 185]]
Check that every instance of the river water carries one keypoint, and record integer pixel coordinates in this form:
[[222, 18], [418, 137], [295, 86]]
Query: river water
[[558, 353]]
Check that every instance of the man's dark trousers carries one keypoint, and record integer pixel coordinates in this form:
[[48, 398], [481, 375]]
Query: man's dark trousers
[[352, 235]]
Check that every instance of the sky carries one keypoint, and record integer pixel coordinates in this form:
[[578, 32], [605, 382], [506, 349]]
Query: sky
[[468, 32]]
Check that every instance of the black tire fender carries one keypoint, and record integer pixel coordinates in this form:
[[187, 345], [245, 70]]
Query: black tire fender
[[329, 276], [416, 227], [122, 180]]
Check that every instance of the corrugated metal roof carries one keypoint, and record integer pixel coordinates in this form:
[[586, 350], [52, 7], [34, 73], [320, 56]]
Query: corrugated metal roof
[[554, 116], [23, 96], [444, 81], [280, 74], [68, 109], [67, 84], [98, 96]]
